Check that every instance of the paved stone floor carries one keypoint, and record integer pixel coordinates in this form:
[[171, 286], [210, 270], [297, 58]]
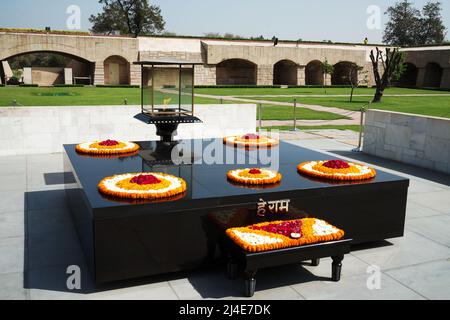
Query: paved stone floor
[[38, 242]]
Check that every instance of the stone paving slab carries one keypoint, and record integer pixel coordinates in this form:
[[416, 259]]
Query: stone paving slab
[[355, 288], [430, 279], [412, 249], [436, 228]]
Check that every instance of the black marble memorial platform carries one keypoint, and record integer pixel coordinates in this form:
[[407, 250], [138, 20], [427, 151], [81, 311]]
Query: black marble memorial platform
[[125, 239]]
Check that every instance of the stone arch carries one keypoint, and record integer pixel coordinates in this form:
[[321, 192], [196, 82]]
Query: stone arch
[[285, 72], [117, 70], [344, 73], [236, 72], [54, 74], [433, 75], [314, 73], [409, 76]]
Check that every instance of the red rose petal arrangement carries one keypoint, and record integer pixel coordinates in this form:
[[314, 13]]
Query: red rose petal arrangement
[[283, 234], [336, 170]]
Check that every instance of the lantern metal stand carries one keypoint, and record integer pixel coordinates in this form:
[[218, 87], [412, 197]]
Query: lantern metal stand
[[167, 96]]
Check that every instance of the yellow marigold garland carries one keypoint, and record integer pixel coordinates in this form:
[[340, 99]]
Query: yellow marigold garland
[[261, 142], [95, 148], [245, 177], [127, 185], [323, 172], [307, 237]]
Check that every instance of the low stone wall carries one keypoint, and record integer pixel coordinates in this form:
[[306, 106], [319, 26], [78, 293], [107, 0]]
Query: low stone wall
[[418, 140], [30, 130]]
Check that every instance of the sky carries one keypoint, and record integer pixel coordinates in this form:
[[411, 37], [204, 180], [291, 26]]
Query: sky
[[317, 20]]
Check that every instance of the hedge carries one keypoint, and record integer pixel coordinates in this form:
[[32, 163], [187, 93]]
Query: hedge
[[117, 86], [236, 86], [28, 85], [68, 85], [39, 31], [270, 86]]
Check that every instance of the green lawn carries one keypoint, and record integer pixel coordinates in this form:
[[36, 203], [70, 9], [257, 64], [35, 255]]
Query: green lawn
[[76, 96], [432, 106], [308, 91], [338, 127], [271, 112], [429, 105]]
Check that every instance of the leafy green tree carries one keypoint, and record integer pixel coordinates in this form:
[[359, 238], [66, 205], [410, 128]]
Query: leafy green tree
[[212, 35], [132, 17], [327, 69], [433, 30], [392, 61], [408, 26], [403, 26]]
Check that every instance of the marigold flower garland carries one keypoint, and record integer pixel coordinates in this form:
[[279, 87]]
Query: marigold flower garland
[[251, 141], [107, 147], [142, 186], [255, 176], [284, 234], [336, 170]]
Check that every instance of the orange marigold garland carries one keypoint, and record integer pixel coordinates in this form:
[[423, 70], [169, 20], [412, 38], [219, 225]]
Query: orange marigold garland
[[337, 170], [255, 176], [142, 186], [251, 141], [107, 147], [284, 234]]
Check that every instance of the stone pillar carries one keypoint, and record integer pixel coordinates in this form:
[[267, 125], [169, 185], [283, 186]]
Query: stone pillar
[[27, 76], [421, 77], [205, 75], [445, 81], [135, 75], [68, 76], [370, 76], [301, 75], [264, 75], [99, 73]]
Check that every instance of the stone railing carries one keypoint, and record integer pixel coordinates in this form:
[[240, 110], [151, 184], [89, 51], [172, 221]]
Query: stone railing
[[418, 140], [30, 130]]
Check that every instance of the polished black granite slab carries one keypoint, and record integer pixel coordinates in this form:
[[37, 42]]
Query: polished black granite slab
[[207, 184], [128, 239]]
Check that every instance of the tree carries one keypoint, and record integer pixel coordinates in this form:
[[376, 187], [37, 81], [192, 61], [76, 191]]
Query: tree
[[212, 35], [433, 30], [353, 73], [132, 17], [327, 69], [403, 26], [408, 26], [392, 62]]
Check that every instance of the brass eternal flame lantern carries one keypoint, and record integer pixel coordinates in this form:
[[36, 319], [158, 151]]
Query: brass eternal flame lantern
[[167, 95]]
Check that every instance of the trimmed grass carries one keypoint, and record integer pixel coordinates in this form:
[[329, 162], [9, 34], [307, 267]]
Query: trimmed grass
[[270, 112], [85, 96], [337, 127], [308, 91], [431, 106], [115, 96]]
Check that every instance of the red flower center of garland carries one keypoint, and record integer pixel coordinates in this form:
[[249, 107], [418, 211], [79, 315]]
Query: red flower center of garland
[[255, 171], [145, 179], [336, 164], [109, 143], [283, 228], [251, 136]]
